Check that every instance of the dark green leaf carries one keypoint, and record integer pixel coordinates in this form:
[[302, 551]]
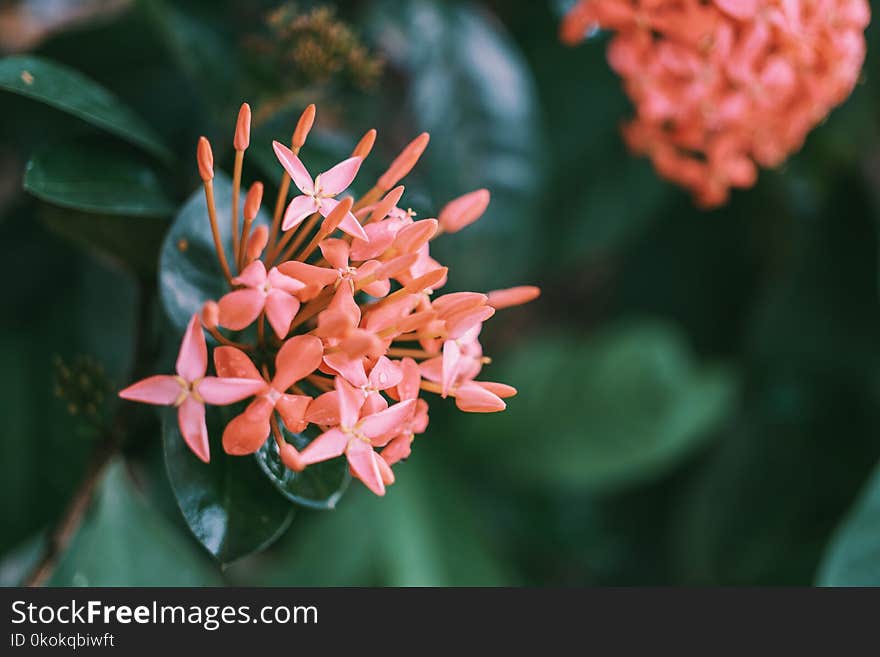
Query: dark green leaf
[[74, 93], [96, 177], [123, 542], [189, 273], [131, 242], [625, 407], [853, 557], [471, 88], [228, 504], [319, 486]]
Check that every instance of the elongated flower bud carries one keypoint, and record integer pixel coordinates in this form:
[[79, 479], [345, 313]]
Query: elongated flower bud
[[257, 242], [243, 128], [464, 210], [514, 296], [383, 207], [404, 162], [334, 218], [205, 157], [210, 315], [303, 127], [365, 145], [253, 200]]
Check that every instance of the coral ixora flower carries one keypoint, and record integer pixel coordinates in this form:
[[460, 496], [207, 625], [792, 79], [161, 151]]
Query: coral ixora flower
[[720, 87], [348, 288]]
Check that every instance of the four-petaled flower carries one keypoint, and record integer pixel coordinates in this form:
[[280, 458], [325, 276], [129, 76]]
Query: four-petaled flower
[[361, 428], [318, 195], [190, 389]]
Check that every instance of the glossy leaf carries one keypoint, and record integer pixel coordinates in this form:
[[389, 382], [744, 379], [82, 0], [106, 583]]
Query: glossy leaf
[[853, 556], [129, 242], [320, 486], [228, 504], [189, 273], [620, 409], [94, 177], [70, 91], [124, 542], [471, 88]]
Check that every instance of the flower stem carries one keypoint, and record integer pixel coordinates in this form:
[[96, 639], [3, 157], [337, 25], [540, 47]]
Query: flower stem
[[215, 230], [236, 194]]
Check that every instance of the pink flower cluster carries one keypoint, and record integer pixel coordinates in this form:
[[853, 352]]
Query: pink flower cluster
[[722, 85], [341, 309]]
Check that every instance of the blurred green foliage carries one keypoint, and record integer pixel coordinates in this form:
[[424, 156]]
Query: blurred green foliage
[[699, 392]]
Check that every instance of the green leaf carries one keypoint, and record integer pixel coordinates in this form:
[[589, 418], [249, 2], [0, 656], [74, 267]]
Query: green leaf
[[853, 556], [72, 92], [123, 542], [471, 88], [228, 504], [319, 486], [129, 242], [424, 532], [189, 273], [620, 409], [96, 177]]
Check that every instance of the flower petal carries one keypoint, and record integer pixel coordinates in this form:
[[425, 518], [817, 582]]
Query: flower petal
[[219, 391], [324, 409], [385, 374], [294, 168], [191, 420], [349, 224], [350, 400], [398, 449], [451, 360], [352, 369], [297, 358], [281, 308], [309, 274], [473, 398], [292, 409], [336, 252], [240, 309], [336, 180], [297, 210], [384, 470], [328, 445], [254, 275], [388, 422], [245, 434], [192, 361], [233, 363], [161, 390], [279, 281], [362, 460]]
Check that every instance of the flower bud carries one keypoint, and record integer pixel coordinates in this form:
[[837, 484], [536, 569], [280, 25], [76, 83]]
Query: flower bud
[[463, 211], [210, 315], [256, 243], [404, 162], [303, 127], [383, 207], [337, 215], [253, 200], [365, 145], [514, 296], [243, 128], [205, 159]]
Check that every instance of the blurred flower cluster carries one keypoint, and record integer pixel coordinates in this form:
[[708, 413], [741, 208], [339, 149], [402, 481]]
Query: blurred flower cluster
[[721, 87], [314, 45], [340, 310]]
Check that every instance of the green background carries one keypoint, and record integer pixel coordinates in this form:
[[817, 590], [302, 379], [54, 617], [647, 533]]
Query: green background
[[699, 391]]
